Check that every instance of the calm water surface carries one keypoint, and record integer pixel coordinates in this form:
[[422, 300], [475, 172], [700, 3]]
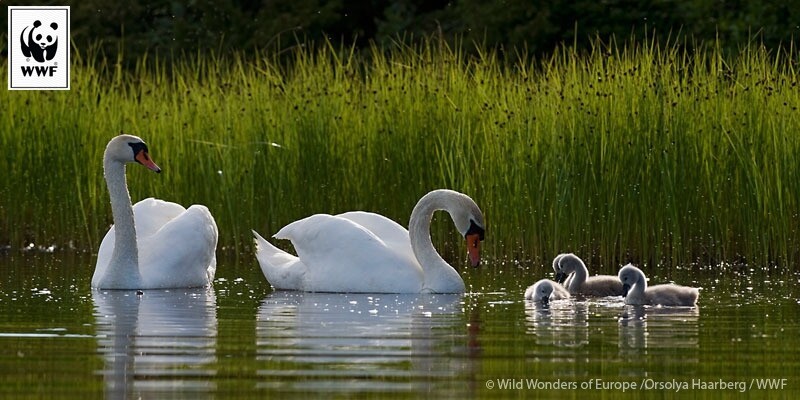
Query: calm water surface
[[240, 339]]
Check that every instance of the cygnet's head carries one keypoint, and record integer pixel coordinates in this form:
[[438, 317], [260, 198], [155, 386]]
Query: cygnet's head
[[629, 276], [542, 291]]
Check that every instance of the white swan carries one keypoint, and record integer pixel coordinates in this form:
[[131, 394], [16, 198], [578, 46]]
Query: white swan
[[545, 290], [579, 283], [154, 244], [635, 290], [369, 253]]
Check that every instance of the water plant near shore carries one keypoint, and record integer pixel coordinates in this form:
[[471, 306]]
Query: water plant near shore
[[622, 152]]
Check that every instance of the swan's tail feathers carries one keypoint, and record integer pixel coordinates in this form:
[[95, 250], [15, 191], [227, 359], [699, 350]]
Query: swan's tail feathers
[[282, 270]]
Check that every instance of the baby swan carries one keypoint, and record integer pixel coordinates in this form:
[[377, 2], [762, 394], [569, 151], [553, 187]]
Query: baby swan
[[635, 290], [580, 282], [545, 290]]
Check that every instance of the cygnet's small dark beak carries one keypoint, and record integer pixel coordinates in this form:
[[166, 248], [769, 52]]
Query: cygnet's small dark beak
[[625, 288]]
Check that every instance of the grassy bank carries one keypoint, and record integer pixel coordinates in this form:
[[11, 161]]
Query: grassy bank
[[619, 153]]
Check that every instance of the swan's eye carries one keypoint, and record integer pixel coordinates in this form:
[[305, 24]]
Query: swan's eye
[[138, 148]]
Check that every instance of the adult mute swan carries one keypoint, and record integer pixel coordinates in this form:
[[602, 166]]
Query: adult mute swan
[[636, 291], [579, 282], [545, 290], [369, 253], [154, 244]]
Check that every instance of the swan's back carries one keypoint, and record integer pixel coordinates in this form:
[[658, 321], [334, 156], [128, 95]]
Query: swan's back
[[390, 232], [341, 255], [638, 292], [380, 226], [671, 295], [601, 286]]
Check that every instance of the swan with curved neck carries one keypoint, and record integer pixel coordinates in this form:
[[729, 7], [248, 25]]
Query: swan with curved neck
[[579, 282], [153, 244], [369, 253], [636, 291]]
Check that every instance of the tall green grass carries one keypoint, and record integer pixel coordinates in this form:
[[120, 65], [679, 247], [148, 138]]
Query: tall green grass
[[620, 152]]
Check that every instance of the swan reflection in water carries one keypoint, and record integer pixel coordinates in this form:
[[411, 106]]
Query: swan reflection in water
[[156, 343], [362, 342], [658, 331], [560, 323]]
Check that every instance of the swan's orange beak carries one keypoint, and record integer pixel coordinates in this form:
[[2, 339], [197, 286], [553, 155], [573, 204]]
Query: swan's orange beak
[[143, 158], [474, 249]]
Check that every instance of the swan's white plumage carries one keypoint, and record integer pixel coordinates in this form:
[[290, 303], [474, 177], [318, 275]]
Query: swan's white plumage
[[357, 252], [172, 242], [637, 291], [578, 281], [335, 254], [545, 289], [176, 247]]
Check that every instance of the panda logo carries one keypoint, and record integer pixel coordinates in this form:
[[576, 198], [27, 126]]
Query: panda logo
[[41, 43]]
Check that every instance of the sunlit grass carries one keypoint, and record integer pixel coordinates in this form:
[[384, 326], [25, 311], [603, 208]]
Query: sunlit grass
[[629, 152]]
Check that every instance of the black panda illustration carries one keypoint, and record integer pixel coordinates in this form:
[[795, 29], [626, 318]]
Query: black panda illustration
[[42, 41]]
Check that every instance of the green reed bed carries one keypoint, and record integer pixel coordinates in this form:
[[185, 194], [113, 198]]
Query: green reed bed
[[629, 152]]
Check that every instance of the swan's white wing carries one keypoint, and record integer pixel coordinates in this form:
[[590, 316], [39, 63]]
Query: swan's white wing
[[391, 233], [380, 226], [181, 252], [343, 256], [283, 270], [151, 214]]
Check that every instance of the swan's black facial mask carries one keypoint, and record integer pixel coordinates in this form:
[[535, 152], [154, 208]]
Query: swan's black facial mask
[[474, 229], [474, 237], [141, 156]]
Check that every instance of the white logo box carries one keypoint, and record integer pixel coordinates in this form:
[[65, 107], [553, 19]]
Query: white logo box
[[38, 47]]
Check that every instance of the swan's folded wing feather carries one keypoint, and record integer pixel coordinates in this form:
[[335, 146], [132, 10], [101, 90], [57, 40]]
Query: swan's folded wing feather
[[283, 270], [380, 226], [321, 238], [343, 256], [182, 252], [151, 214], [393, 235]]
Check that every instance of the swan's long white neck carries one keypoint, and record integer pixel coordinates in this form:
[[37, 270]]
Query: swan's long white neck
[[640, 285], [440, 277], [579, 268], [123, 269]]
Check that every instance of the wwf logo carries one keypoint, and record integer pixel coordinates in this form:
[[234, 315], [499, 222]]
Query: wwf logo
[[39, 41], [38, 47]]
